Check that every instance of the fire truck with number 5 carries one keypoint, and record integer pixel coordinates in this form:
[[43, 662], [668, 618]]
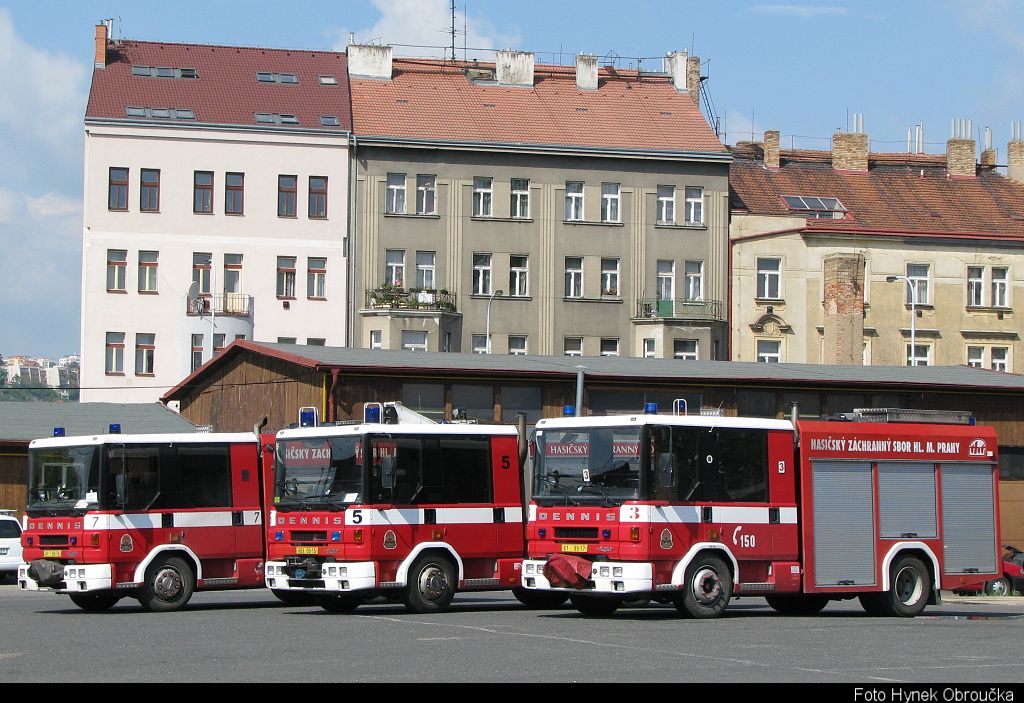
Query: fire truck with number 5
[[888, 506]]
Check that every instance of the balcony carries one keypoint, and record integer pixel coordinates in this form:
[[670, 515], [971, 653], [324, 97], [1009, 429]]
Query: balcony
[[227, 305], [678, 309], [395, 298]]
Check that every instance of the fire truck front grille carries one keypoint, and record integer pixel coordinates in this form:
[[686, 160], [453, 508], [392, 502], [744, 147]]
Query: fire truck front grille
[[53, 540], [299, 536], [575, 533]]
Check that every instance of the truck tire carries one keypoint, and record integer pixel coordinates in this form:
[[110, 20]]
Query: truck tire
[[541, 600], [431, 584], [339, 602], [707, 588], [797, 603], [596, 606], [168, 586], [97, 602], [998, 587], [910, 583], [293, 597]]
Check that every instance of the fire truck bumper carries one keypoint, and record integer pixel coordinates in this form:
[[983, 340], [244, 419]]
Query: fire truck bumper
[[335, 577], [607, 577], [77, 578]]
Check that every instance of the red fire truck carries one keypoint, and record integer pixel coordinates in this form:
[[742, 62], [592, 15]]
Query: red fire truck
[[151, 516], [397, 506], [888, 506]]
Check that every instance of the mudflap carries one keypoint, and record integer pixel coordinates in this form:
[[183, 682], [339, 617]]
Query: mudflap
[[46, 572], [567, 571]]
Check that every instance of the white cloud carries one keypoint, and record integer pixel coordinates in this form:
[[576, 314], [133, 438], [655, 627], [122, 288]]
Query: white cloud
[[53, 205], [427, 23], [804, 11]]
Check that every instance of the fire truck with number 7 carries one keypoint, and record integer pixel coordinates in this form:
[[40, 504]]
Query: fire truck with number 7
[[888, 506]]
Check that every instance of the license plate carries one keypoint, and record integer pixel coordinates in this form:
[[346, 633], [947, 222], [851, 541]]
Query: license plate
[[579, 548], [307, 550], [52, 553]]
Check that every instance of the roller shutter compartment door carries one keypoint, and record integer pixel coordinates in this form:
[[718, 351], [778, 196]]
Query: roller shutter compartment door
[[906, 500], [844, 525], [968, 518]]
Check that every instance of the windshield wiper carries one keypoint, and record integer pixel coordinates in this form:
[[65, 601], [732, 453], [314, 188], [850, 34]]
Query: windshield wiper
[[604, 494]]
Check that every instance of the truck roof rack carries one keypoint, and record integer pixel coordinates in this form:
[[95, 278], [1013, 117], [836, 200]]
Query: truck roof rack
[[907, 415]]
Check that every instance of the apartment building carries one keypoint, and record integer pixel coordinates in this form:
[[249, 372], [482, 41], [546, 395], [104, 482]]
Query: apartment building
[[215, 208], [510, 207], [853, 257]]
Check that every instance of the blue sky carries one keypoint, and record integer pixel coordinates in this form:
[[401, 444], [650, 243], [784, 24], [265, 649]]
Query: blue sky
[[802, 68]]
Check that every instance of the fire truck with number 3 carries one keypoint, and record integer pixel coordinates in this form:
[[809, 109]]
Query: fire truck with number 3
[[888, 506]]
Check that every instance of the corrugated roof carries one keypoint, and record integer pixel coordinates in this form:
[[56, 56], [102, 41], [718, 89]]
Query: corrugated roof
[[435, 101], [902, 195], [28, 421], [961, 378], [226, 91]]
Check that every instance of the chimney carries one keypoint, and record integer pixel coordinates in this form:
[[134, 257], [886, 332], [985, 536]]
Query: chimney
[[1015, 160], [960, 158], [771, 148], [989, 157], [844, 309], [850, 151], [675, 67], [514, 68], [693, 76], [101, 46], [369, 61], [586, 72]]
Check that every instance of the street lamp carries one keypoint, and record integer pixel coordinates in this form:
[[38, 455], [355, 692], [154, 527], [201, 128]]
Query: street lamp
[[495, 293], [913, 314]]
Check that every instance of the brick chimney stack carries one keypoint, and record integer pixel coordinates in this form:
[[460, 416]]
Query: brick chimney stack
[[101, 45], [771, 148], [693, 77], [1015, 160], [989, 157], [850, 151], [960, 161]]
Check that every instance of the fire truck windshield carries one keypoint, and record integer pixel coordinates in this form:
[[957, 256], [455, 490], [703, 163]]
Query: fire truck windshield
[[318, 473], [60, 477], [587, 464]]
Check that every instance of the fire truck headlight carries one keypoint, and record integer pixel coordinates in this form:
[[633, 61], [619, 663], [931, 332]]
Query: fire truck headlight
[[529, 568], [605, 571], [332, 571], [607, 534], [279, 535], [335, 536], [542, 533], [343, 571], [617, 571]]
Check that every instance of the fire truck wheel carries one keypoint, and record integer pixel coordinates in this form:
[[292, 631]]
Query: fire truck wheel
[[797, 604], [431, 584], [595, 605], [910, 584], [95, 602], [707, 588], [168, 586], [339, 602], [293, 597], [998, 587], [540, 599]]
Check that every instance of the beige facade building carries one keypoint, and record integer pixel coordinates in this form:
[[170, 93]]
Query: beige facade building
[[525, 209], [851, 257]]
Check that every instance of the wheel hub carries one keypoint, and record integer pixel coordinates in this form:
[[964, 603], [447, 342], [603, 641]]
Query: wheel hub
[[707, 586], [908, 586], [167, 583], [432, 583]]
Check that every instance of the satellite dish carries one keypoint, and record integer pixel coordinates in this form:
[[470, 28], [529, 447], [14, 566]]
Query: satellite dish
[[195, 303], [193, 291]]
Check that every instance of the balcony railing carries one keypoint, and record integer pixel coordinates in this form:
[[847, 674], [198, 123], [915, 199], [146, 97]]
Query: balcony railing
[[394, 298], [229, 304], [679, 309]]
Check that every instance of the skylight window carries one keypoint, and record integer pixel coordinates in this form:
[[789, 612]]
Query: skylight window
[[275, 118], [329, 121], [268, 77], [159, 113], [816, 208], [164, 72], [327, 80]]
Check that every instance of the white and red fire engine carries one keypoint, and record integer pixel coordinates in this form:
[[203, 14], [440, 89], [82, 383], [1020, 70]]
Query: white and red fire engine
[[889, 506], [150, 516], [398, 506]]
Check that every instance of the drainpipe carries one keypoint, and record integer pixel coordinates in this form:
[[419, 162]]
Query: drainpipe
[[580, 371]]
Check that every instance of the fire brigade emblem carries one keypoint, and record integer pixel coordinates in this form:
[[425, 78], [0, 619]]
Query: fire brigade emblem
[[390, 540], [126, 543], [666, 539]]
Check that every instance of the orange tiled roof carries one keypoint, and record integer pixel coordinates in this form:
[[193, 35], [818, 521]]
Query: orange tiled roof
[[434, 100], [899, 192]]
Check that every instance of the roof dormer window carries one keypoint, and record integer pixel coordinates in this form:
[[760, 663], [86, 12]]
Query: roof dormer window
[[815, 207], [274, 118], [164, 72], [327, 80], [269, 77], [329, 121]]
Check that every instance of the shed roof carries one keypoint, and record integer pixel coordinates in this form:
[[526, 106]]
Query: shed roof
[[24, 421]]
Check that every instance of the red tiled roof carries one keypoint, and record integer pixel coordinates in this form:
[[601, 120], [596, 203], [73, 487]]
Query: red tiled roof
[[899, 192], [434, 100], [226, 91]]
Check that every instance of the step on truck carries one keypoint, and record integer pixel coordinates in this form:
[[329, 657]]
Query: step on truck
[[887, 506], [148, 516], [396, 506]]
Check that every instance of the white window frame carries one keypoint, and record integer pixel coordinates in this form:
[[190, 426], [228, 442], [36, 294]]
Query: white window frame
[[202, 266], [573, 277], [572, 346], [666, 210], [149, 261], [426, 270], [611, 201], [976, 286], [376, 339], [232, 273], [574, 211], [1000, 287], [1000, 357], [286, 276], [394, 267], [483, 196], [519, 276], [479, 343], [976, 356], [686, 349], [316, 277], [196, 351], [394, 201], [693, 280], [648, 349], [920, 284], [694, 205], [113, 354], [923, 354], [609, 346], [665, 281], [145, 353], [769, 280], [117, 270], [765, 352], [482, 273], [413, 341], [610, 276], [518, 345], [426, 194], [519, 199]]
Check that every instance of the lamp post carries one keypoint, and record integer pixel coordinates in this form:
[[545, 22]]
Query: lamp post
[[913, 314], [495, 293]]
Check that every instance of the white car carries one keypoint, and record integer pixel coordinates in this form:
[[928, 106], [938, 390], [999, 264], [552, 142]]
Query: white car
[[10, 545]]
